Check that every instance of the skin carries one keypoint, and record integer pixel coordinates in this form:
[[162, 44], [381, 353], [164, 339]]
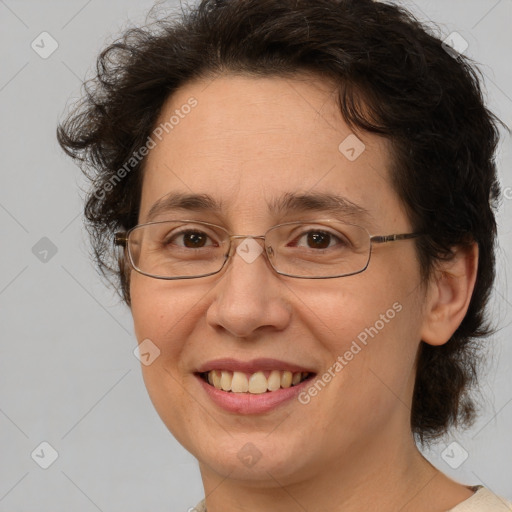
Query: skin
[[247, 141]]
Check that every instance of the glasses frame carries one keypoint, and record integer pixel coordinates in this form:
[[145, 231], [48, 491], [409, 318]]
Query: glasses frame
[[121, 238]]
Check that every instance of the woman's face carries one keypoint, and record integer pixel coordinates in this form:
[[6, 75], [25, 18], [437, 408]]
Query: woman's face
[[245, 143]]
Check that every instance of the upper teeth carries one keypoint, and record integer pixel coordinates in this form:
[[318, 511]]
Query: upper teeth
[[239, 382]]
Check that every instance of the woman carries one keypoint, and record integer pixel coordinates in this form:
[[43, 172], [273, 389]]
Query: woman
[[303, 196]]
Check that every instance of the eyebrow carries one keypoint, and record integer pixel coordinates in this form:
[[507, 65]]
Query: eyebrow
[[321, 202]]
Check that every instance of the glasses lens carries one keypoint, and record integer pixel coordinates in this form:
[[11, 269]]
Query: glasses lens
[[178, 249], [319, 249]]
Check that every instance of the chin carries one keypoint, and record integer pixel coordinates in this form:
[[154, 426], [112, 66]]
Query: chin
[[252, 458]]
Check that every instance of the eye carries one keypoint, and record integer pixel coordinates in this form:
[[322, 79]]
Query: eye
[[319, 239], [190, 239]]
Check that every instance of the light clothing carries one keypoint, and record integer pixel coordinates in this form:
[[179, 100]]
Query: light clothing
[[482, 501]]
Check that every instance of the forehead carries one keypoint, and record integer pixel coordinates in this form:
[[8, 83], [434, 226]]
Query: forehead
[[250, 143]]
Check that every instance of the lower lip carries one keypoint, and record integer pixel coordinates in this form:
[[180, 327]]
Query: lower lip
[[248, 403]]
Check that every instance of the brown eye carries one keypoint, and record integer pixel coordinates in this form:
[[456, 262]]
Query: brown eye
[[189, 239], [318, 240], [194, 240]]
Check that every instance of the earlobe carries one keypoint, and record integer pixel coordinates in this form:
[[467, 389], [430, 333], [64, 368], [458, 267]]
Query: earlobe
[[449, 295]]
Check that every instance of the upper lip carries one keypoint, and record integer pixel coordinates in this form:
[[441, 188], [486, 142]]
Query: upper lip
[[252, 366]]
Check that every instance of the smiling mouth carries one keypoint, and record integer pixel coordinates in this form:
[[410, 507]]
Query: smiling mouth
[[254, 383]]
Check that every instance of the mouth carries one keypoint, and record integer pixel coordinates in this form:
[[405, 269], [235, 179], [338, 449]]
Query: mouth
[[256, 383], [254, 387]]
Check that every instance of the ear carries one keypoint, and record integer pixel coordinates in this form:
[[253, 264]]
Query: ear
[[449, 295]]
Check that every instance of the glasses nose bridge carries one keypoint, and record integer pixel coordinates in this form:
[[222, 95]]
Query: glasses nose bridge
[[244, 237], [232, 245], [261, 237]]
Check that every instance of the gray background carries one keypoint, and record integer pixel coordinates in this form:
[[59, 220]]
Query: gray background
[[68, 375]]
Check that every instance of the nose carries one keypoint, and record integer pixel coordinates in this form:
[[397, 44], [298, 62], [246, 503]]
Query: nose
[[250, 297]]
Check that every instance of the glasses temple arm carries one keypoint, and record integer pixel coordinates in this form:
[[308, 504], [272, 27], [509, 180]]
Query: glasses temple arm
[[120, 238], [380, 239]]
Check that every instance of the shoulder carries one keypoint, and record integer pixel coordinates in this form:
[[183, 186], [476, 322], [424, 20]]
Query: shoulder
[[201, 507], [483, 501]]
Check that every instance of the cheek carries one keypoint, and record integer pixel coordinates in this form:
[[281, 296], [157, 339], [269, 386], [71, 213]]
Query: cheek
[[164, 313], [168, 313], [369, 329], [370, 347], [158, 306], [357, 308]]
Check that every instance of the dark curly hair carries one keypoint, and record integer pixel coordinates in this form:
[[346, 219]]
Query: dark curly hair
[[394, 77]]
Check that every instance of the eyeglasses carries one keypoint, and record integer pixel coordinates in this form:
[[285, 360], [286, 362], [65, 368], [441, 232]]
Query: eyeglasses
[[187, 249]]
